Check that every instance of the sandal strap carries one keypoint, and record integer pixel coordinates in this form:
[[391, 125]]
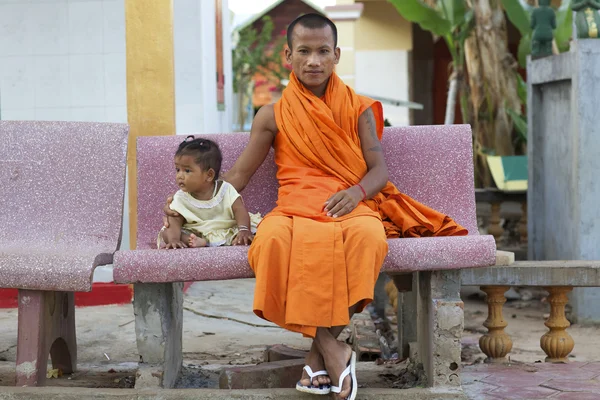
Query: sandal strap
[[312, 374], [343, 375]]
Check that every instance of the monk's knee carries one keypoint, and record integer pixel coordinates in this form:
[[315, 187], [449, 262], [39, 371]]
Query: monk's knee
[[369, 233], [275, 231]]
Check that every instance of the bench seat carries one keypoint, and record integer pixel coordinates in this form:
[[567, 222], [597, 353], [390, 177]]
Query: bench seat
[[67, 269], [222, 263]]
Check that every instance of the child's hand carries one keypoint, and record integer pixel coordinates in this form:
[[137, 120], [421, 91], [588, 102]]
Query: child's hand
[[177, 244], [243, 238]]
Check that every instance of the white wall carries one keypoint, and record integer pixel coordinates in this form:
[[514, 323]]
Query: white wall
[[384, 73], [63, 60], [196, 68]]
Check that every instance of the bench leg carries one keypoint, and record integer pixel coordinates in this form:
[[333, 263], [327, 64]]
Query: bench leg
[[406, 312], [380, 298], [440, 326], [46, 327], [158, 309]]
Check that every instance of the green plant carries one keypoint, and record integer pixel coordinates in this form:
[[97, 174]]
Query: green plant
[[519, 120], [453, 21], [519, 13], [255, 51]]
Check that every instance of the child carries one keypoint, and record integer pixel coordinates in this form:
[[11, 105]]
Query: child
[[212, 212]]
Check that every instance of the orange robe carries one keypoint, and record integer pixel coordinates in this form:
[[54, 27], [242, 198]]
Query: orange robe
[[310, 267]]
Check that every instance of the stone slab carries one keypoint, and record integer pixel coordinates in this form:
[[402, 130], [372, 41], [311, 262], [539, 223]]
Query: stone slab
[[536, 273], [551, 69], [280, 352], [278, 374], [48, 393], [504, 258]]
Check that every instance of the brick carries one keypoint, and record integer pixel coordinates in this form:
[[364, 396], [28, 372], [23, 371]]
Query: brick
[[281, 352], [278, 374]]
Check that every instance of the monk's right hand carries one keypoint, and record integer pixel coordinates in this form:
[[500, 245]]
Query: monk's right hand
[[168, 212]]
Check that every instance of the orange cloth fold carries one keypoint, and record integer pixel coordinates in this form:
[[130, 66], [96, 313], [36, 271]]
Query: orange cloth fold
[[310, 267], [321, 141]]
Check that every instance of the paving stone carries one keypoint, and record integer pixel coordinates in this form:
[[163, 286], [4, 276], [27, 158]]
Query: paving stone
[[523, 393], [476, 389], [517, 378], [576, 374], [559, 367], [484, 396], [593, 366], [568, 385], [577, 396], [470, 377]]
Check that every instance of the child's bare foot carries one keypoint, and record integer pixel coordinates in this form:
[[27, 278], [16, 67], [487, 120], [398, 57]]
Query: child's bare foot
[[195, 241]]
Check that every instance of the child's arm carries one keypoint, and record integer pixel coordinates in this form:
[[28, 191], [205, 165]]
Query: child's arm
[[172, 234], [242, 218]]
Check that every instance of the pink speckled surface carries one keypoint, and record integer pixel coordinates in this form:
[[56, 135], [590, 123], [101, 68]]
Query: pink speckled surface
[[221, 263], [62, 202], [431, 163], [439, 253], [434, 165]]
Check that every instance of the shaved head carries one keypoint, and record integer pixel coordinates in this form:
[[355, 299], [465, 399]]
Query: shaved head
[[311, 21]]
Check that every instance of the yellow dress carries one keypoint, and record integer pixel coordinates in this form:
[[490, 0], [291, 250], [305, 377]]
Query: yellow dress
[[211, 219]]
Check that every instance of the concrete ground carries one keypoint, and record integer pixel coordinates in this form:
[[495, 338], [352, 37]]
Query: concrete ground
[[220, 330]]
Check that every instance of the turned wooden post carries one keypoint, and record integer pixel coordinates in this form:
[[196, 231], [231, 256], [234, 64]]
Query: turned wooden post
[[495, 344], [557, 343], [523, 223], [495, 229]]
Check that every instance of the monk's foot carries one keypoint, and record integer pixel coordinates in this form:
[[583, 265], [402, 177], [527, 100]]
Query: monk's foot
[[195, 241], [315, 361], [337, 359]]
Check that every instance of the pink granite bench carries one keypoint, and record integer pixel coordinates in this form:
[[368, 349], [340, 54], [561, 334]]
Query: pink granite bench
[[62, 204], [431, 163]]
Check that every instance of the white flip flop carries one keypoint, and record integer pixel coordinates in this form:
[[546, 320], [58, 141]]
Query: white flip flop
[[321, 389], [350, 370]]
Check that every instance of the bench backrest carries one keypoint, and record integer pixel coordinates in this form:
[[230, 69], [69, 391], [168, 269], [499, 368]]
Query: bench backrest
[[62, 185], [434, 164]]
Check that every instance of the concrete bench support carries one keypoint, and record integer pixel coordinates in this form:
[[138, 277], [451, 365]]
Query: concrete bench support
[[46, 327], [440, 325], [406, 312], [158, 309]]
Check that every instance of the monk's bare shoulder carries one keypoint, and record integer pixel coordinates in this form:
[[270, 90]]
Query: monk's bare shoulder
[[264, 123]]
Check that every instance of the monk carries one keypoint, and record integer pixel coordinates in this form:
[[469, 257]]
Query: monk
[[317, 255]]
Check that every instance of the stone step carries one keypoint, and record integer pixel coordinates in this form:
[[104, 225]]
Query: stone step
[[54, 393]]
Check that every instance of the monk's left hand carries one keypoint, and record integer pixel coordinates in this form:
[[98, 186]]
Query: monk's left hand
[[343, 202]]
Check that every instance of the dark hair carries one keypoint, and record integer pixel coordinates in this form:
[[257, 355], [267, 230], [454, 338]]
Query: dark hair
[[206, 153], [311, 21]]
